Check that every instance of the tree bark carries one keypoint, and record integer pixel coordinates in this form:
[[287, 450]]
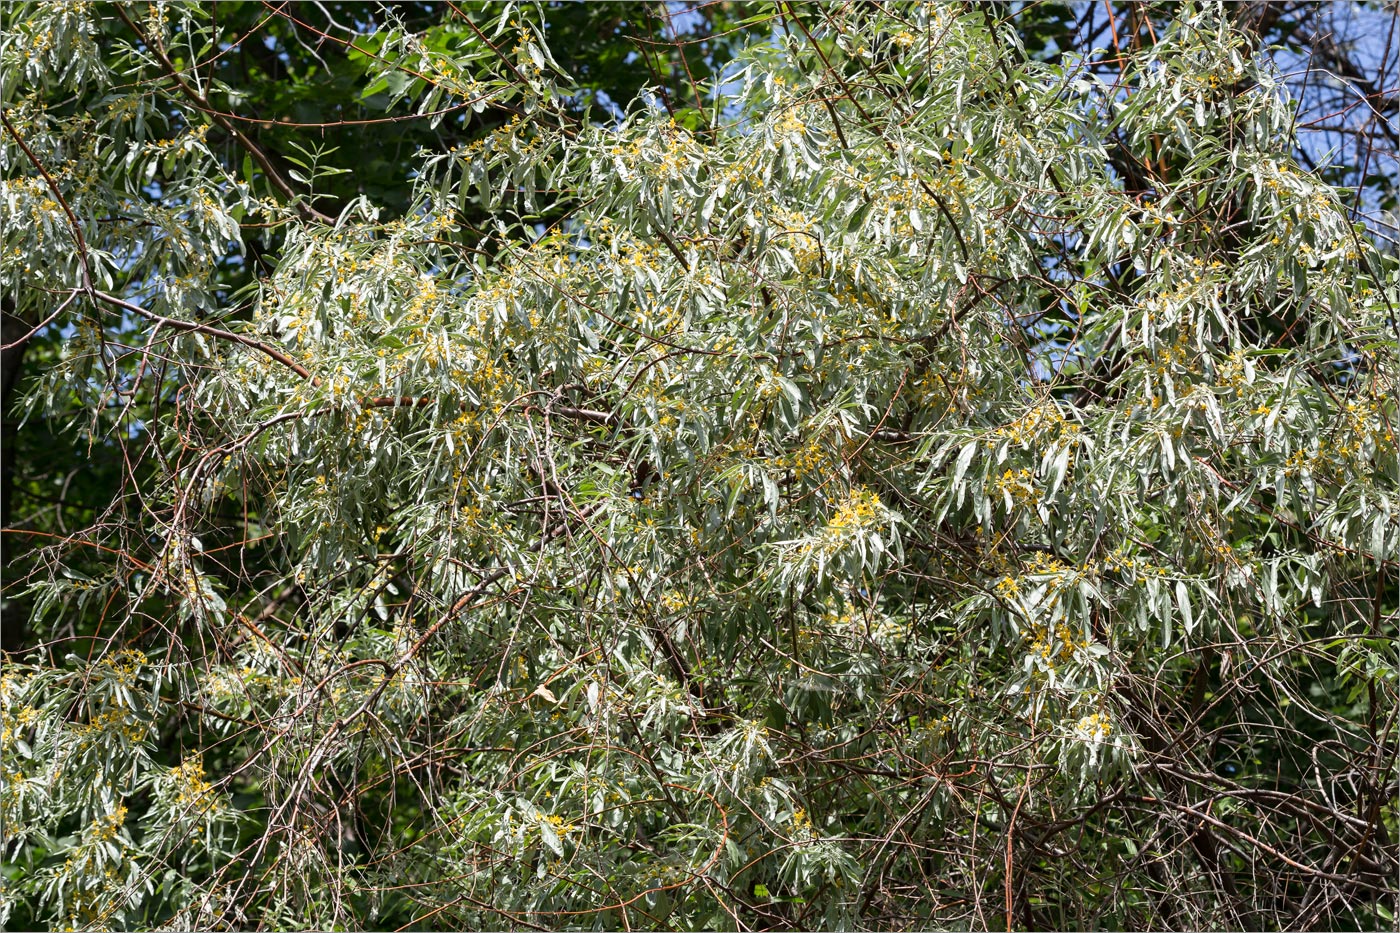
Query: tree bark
[[14, 331]]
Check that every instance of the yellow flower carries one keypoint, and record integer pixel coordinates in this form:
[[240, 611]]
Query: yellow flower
[[1094, 728]]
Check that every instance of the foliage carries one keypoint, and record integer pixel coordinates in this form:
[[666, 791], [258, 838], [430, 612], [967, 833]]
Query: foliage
[[921, 485]]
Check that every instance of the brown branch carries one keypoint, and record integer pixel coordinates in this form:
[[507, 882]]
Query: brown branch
[[190, 327]]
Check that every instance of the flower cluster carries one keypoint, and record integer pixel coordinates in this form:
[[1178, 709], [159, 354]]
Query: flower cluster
[[812, 458], [862, 509], [1095, 728], [1053, 642], [1017, 487], [189, 787], [1044, 419], [106, 828]]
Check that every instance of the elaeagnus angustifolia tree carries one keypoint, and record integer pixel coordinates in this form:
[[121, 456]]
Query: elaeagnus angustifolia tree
[[908, 485]]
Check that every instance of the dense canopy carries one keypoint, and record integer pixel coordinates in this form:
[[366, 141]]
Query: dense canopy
[[813, 466]]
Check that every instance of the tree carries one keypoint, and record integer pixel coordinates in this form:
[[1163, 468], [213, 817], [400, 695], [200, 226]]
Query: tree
[[898, 479]]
